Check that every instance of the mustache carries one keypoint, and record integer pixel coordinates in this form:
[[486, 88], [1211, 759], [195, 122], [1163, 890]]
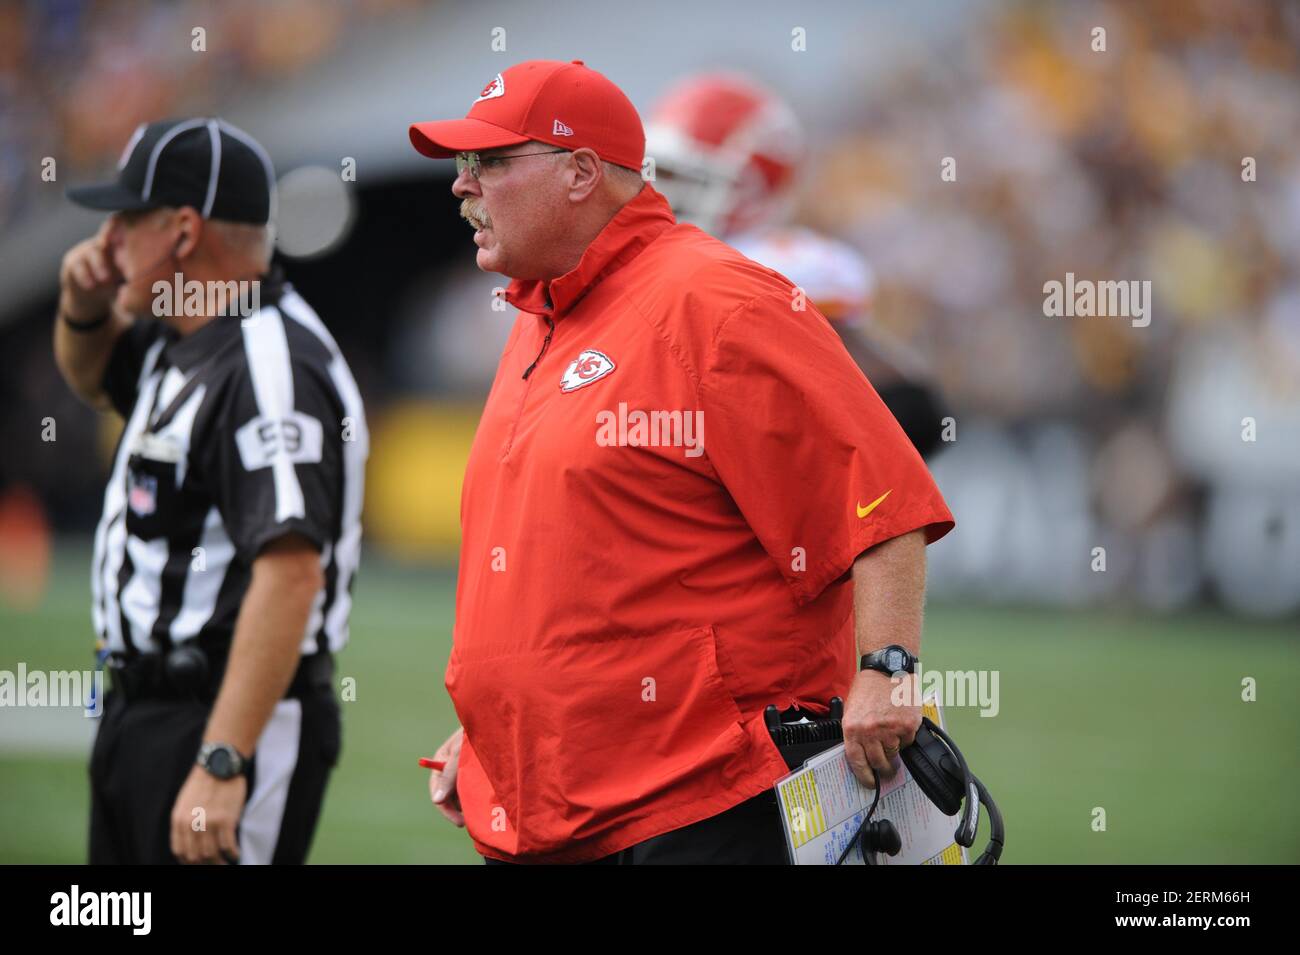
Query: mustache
[[472, 211]]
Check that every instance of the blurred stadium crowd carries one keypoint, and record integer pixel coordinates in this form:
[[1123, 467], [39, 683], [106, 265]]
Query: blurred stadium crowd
[[1072, 434], [1075, 433], [77, 76]]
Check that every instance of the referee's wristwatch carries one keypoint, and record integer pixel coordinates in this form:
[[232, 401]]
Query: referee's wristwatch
[[222, 760], [890, 660]]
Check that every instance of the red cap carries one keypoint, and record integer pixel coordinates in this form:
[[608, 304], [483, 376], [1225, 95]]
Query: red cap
[[564, 104]]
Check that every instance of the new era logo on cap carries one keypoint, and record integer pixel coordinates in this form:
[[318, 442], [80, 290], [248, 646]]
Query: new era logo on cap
[[205, 163], [597, 115]]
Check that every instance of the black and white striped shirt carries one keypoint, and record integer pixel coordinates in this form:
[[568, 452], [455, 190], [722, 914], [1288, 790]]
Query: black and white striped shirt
[[236, 434]]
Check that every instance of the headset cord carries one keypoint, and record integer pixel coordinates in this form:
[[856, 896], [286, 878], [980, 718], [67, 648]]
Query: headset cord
[[993, 851], [858, 835]]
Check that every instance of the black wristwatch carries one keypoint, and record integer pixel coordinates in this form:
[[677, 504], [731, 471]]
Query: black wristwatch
[[222, 760], [890, 660]]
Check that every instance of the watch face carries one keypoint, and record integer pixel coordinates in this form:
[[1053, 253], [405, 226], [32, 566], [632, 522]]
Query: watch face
[[219, 764], [896, 660]]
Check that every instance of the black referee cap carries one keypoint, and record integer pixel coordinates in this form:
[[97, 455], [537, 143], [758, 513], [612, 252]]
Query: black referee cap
[[206, 163]]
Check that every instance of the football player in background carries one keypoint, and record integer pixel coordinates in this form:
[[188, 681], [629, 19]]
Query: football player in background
[[726, 154]]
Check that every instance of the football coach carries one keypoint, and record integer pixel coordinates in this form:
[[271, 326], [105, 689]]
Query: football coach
[[684, 502], [230, 534]]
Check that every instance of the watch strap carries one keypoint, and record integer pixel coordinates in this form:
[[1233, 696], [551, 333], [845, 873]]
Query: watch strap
[[876, 660]]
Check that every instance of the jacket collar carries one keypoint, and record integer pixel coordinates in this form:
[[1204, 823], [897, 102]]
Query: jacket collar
[[633, 227], [188, 351]]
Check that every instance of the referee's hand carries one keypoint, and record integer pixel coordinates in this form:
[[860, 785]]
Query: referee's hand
[[442, 783], [88, 277], [205, 818]]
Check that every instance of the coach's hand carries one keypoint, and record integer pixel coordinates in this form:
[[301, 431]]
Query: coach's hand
[[442, 783], [88, 278], [875, 726], [211, 836]]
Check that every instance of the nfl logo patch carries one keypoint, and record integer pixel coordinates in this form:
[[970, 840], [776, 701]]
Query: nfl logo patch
[[142, 496]]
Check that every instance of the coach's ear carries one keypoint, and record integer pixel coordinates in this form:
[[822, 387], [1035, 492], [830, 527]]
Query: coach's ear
[[586, 173], [188, 225]]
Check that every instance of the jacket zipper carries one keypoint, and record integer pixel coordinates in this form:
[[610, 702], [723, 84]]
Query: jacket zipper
[[550, 324], [510, 440]]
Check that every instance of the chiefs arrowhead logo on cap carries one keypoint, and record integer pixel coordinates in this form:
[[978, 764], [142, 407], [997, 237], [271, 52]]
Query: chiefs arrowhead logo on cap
[[496, 88], [590, 366]]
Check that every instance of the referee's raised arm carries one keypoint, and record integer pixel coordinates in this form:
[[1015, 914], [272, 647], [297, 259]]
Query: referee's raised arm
[[87, 326]]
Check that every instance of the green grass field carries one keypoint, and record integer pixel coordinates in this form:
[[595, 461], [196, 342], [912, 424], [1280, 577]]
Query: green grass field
[[1139, 715]]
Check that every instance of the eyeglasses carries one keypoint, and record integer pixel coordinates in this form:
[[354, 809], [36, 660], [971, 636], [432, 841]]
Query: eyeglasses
[[476, 163]]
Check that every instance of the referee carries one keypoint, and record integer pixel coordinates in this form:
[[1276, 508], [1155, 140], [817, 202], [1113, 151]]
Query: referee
[[230, 534]]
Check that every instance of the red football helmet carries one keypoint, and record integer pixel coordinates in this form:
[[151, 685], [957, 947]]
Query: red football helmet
[[725, 151]]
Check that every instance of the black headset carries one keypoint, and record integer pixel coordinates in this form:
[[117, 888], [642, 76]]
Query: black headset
[[940, 770]]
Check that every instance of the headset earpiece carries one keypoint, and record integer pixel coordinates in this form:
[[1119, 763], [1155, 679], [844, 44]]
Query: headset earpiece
[[933, 767], [931, 759], [882, 837]]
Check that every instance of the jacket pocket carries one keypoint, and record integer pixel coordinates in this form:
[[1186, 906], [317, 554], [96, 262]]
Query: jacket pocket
[[582, 735]]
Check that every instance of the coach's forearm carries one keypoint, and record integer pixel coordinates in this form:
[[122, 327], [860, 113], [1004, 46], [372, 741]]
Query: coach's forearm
[[889, 594], [267, 642]]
